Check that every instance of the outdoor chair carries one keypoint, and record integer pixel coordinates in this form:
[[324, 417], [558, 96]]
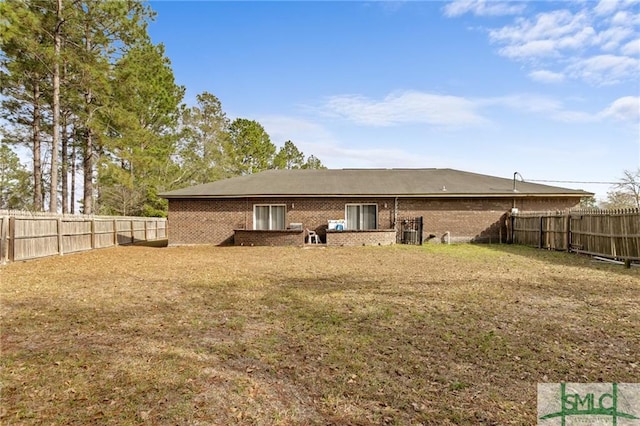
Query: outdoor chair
[[313, 237]]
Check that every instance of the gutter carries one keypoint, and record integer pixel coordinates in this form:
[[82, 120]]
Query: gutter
[[448, 195]]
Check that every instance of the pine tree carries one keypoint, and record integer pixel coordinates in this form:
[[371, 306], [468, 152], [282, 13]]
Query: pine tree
[[250, 149], [204, 134], [140, 121], [288, 157]]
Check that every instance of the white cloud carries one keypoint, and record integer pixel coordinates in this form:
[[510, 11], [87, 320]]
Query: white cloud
[[483, 8], [403, 108], [546, 76], [524, 102], [551, 25], [545, 106], [624, 109], [313, 138], [546, 35], [425, 108], [374, 157], [530, 49], [606, 7], [594, 42], [302, 132], [632, 48], [611, 38], [625, 18], [605, 70]]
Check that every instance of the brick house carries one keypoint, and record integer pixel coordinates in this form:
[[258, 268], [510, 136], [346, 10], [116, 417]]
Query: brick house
[[355, 207]]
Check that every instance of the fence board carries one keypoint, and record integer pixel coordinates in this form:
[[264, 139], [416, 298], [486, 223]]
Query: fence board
[[4, 233], [125, 234], [138, 228], [608, 233], [161, 229], [34, 237], [104, 231], [26, 235], [76, 235]]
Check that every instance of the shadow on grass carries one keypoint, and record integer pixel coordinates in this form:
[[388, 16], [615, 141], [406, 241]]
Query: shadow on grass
[[563, 258], [387, 354], [156, 243], [437, 344]]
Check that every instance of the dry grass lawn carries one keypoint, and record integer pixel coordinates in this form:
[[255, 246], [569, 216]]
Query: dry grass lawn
[[287, 336]]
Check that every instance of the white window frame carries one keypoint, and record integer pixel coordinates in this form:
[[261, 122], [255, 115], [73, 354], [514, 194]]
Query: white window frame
[[361, 221], [255, 222]]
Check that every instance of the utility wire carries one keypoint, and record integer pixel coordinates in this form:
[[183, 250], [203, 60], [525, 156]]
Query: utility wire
[[569, 181]]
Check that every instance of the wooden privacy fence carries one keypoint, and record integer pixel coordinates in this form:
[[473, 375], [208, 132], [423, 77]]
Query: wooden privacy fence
[[25, 235], [609, 233]]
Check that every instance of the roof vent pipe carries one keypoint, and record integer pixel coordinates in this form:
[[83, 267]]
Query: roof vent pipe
[[514, 180]]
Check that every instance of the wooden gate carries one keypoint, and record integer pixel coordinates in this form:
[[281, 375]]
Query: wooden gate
[[410, 231]]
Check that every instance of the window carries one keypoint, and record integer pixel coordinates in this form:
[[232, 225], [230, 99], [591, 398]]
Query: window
[[268, 217], [362, 216]]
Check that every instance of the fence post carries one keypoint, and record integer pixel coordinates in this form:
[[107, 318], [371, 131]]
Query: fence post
[[93, 233], [614, 252], [60, 242], [540, 233], [146, 237], [11, 246], [115, 232], [3, 240], [567, 229], [133, 232], [512, 237]]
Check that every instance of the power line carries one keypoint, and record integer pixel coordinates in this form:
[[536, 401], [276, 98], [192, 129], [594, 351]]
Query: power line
[[570, 181]]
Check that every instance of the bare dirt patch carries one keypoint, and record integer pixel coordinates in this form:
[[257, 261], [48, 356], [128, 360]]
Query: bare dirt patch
[[238, 335]]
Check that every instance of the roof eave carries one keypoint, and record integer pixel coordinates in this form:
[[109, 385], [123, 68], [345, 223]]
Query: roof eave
[[429, 195]]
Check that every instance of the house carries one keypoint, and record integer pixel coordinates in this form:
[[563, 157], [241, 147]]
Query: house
[[356, 207]]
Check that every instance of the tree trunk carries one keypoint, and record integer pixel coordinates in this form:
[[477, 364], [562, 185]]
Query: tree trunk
[[73, 178], [88, 171], [37, 160], [53, 194], [88, 143], [64, 139]]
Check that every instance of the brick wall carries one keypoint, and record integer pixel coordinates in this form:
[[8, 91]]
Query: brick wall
[[213, 221], [207, 221], [383, 237], [477, 220], [268, 238]]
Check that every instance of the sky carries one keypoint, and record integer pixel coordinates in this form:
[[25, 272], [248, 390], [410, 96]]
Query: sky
[[550, 90]]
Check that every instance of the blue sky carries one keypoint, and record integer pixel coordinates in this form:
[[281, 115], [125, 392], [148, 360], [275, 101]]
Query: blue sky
[[548, 89]]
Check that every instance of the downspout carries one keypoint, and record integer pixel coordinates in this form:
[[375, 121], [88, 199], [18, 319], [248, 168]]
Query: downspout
[[513, 207], [395, 214], [515, 189]]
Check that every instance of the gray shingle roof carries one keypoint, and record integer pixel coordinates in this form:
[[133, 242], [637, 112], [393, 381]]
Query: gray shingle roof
[[369, 182]]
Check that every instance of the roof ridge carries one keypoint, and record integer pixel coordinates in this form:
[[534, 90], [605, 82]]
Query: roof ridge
[[418, 182]]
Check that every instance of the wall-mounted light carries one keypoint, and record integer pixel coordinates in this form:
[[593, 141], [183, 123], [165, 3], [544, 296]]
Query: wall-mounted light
[[385, 205], [292, 206]]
